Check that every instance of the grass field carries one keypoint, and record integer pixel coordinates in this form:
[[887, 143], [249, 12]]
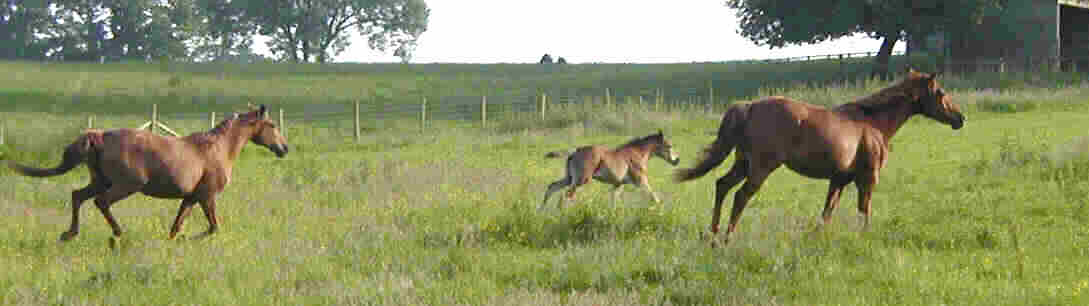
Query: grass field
[[994, 213]]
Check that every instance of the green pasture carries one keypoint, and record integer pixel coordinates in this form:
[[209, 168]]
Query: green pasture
[[992, 214]]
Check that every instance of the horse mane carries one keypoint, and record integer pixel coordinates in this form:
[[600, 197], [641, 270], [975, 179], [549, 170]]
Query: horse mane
[[637, 141], [210, 137], [886, 98]]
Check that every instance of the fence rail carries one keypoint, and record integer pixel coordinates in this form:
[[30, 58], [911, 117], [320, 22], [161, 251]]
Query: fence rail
[[835, 56], [478, 111], [483, 111]]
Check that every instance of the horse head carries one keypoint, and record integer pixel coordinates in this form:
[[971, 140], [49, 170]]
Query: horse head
[[932, 101], [664, 150], [265, 132]]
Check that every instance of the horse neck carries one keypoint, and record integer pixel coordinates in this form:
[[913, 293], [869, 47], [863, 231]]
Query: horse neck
[[643, 150], [233, 140], [889, 121]]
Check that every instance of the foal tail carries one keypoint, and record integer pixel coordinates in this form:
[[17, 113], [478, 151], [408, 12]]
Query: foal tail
[[729, 133], [75, 154], [558, 154]]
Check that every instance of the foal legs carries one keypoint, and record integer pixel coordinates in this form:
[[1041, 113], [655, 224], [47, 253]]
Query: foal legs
[[643, 182], [78, 197], [554, 187], [616, 193]]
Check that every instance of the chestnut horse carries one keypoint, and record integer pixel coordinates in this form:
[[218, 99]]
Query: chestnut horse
[[194, 168], [844, 144], [626, 164]]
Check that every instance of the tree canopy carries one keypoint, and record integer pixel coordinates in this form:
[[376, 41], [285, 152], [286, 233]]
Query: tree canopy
[[299, 30], [776, 23]]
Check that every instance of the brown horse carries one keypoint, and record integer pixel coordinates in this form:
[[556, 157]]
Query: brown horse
[[845, 144], [626, 164], [194, 168]]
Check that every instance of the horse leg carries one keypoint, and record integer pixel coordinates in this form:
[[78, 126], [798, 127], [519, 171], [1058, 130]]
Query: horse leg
[[865, 186], [756, 178], [106, 199], [78, 197], [835, 188], [209, 207], [183, 212], [580, 176], [554, 187], [616, 193], [723, 185], [644, 182]]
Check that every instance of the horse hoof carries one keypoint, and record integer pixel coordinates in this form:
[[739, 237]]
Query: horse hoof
[[66, 236]]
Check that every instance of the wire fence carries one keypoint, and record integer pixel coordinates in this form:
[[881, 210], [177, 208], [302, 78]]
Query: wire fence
[[472, 111], [490, 111]]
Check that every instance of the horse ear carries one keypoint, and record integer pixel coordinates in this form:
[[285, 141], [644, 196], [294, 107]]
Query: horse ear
[[261, 111], [660, 132], [910, 70], [235, 116]]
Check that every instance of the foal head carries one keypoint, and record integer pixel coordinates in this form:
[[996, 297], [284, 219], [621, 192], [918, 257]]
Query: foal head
[[664, 149], [265, 133], [931, 100]]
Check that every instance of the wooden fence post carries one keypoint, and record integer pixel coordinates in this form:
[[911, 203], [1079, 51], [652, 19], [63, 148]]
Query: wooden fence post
[[484, 111], [423, 115], [710, 95], [356, 125], [658, 99], [283, 126], [608, 98], [544, 105], [212, 119], [154, 117], [1, 134], [91, 122]]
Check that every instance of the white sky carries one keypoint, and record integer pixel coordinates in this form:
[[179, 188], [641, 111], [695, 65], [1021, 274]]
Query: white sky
[[582, 31]]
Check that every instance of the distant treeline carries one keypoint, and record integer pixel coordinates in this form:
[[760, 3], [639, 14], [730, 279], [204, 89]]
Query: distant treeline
[[109, 30]]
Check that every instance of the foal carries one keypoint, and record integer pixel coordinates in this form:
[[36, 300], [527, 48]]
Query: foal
[[626, 164]]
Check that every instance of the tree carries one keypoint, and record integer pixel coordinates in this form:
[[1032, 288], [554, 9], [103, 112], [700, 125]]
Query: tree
[[137, 29], [776, 23], [317, 30], [20, 21], [222, 29], [149, 28], [78, 30]]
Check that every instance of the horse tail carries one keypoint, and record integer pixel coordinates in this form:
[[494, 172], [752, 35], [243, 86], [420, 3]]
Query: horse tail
[[75, 154], [558, 154], [729, 132]]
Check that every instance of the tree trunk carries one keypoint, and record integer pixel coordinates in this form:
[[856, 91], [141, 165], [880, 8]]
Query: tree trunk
[[881, 62]]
